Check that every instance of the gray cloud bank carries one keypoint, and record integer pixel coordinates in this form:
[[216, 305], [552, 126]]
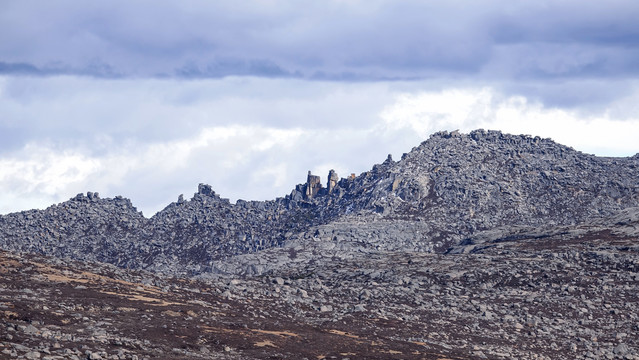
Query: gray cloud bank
[[335, 40]]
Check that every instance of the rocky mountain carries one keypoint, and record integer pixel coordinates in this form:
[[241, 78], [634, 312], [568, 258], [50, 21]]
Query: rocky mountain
[[472, 246], [442, 192]]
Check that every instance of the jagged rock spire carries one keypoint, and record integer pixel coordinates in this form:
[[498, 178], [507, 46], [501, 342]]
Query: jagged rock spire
[[333, 180]]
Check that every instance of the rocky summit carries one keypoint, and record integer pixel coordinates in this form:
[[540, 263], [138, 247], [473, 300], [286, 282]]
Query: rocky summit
[[479, 245]]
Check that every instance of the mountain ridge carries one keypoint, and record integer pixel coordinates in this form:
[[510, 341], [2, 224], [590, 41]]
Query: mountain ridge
[[447, 188]]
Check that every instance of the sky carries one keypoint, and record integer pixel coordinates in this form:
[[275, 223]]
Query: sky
[[147, 99]]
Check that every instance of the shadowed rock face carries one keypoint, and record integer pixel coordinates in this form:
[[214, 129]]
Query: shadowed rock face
[[443, 191]]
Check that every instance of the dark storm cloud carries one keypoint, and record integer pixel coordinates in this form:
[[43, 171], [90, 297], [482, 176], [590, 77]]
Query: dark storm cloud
[[221, 68], [337, 40]]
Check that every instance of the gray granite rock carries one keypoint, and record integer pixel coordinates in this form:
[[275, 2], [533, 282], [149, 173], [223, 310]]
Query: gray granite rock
[[470, 189]]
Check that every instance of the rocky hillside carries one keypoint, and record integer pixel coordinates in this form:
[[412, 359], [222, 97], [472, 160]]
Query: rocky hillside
[[444, 191], [551, 292], [480, 245]]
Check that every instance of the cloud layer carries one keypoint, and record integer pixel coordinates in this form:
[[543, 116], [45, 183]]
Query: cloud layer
[[328, 39], [146, 99]]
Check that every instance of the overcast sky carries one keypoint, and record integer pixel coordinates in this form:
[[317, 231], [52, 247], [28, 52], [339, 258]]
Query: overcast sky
[[146, 99]]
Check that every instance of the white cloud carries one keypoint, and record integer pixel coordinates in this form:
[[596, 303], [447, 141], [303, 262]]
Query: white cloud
[[39, 175], [428, 112], [597, 134], [45, 171]]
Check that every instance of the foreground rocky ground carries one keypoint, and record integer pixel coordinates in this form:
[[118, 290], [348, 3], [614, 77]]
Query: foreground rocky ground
[[542, 293]]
